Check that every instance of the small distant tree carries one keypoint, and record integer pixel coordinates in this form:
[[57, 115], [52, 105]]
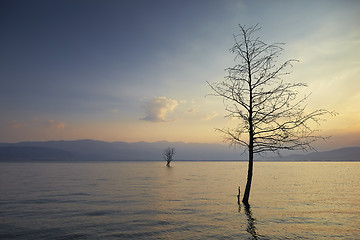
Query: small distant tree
[[168, 155], [269, 112]]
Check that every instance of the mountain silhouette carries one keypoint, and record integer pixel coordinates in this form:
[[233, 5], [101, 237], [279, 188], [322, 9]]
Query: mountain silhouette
[[92, 150]]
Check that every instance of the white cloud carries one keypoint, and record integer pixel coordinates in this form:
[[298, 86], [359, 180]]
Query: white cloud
[[210, 116], [157, 109]]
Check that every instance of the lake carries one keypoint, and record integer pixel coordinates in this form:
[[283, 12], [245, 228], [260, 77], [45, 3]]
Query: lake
[[190, 200]]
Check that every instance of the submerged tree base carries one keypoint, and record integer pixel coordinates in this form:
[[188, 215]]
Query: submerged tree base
[[246, 203]]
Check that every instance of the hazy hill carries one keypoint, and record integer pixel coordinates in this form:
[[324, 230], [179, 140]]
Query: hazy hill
[[91, 150], [27, 153], [342, 154]]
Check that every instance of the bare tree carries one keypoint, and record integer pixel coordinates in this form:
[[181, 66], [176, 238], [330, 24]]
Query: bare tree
[[269, 111], [168, 155]]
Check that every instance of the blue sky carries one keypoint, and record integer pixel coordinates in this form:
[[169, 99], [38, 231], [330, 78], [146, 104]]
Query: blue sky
[[137, 70]]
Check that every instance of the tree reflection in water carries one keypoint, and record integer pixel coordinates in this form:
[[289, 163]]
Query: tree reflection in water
[[251, 228]]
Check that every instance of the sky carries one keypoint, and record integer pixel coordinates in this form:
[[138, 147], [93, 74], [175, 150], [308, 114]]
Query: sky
[[138, 70]]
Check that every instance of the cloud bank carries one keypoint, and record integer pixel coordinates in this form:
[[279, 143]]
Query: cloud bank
[[157, 109]]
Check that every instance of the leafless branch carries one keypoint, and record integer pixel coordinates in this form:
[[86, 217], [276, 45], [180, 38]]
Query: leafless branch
[[270, 113]]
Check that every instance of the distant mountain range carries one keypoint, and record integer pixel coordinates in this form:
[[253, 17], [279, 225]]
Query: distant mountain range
[[91, 150], [342, 154]]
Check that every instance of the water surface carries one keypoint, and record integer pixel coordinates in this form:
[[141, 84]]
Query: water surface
[[190, 200]]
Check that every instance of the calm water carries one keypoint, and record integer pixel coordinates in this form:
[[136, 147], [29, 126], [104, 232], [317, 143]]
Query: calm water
[[190, 200]]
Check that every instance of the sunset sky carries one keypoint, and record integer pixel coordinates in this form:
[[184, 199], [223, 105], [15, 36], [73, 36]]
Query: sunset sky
[[137, 70]]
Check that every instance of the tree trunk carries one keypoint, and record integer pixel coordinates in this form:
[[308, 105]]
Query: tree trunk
[[251, 132], [250, 167], [249, 179]]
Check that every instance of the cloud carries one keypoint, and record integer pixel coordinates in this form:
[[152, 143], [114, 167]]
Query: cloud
[[50, 124], [157, 109], [210, 116], [15, 124], [56, 124]]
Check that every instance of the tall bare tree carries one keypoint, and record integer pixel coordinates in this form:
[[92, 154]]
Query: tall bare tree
[[168, 155], [268, 109]]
